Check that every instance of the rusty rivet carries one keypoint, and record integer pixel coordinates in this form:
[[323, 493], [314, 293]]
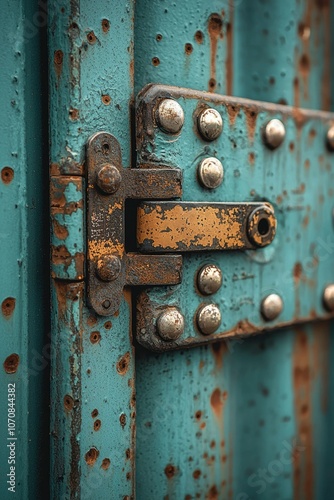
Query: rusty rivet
[[170, 116], [208, 319], [108, 179], [210, 124], [210, 172], [7, 175], [274, 133], [170, 324], [330, 138], [108, 267], [328, 298], [262, 226], [8, 306], [271, 307], [209, 279], [11, 363]]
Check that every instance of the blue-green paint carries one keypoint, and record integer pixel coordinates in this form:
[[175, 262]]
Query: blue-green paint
[[276, 385], [24, 252], [96, 369]]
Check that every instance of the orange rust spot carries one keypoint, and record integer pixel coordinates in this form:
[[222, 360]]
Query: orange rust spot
[[203, 425], [91, 321], [8, 306], [306, 221], [219, 349], [106, 99], [307, 164], [107, 325], [158, 37], [58, 61], [215, 26], [196, 474], [155, 61], [198, 415], [297, 272], [97, 425], [251, 158], [123, 363], [233, 111], [199, 36], [91, 456], [7, 175], [212, 493], [291, 146], [105, 464], [59, 230], [91, 37], [95, 337], [95, 413], [170, 471], [11, 363], [122, 420], [251, 117], [68, 402], [217, 402], [188, 48], [105, 25], [74, 114]]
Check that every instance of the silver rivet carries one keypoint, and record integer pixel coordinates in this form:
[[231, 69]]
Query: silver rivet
[[330, 138], [210, 172], [329, 298], [108, 179], [271, 307], [108, 267], [170, 324], [274, 133], [208, 319], [210, 124], [170, 116], [209, 279]]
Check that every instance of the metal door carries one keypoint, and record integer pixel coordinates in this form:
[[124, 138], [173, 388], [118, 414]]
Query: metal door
[[244, 412]]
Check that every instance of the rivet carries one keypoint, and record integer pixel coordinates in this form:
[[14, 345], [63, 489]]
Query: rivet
[[274, 133], [210, 124], [261, 226], [109, 179], [170, 324], [210, 172], [108, 267], [330, 138], [328, 298], [271, 307], [209, 279], [208, 319], [170, 116], [106, 304]]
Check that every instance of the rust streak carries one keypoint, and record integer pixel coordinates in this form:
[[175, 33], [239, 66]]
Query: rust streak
[[215, 25]]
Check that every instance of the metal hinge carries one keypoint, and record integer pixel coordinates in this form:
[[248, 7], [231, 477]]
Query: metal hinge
[[161, 227]]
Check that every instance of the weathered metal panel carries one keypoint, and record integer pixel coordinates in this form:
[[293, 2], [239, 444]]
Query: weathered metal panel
[[92, 404], [24, 296], [248, 417]]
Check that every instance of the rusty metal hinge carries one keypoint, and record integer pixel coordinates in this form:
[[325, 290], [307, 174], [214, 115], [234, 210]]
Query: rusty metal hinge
[[160, 227]]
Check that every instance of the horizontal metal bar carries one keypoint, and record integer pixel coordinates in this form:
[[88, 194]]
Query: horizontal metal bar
[[189, 226], [153, 269]]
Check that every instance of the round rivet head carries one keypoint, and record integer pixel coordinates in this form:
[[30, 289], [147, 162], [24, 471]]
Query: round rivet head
[[210, 124], [208, 319], [271, 307], [328, 298], [274, 133], [209, 279], [330, 138], [108, 267], [170, 116], [210, 173], [108, 179], [170, 324]]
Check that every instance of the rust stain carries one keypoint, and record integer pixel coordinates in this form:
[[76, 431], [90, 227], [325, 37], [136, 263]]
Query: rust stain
[[199, 36], [105, 464], [123, 364], [215, 25], [7, 175], [170, 471], [217, 403], [106, 99], [251, 158], [8, 306], [58, 62], [91, 37], [105, 25], [219, 349], [233, 111], [68, 403], [97, 249], [60, 231], [188, 48], [324, 5], [321, 349], [212, 493], [303, 454], [251, 117], [91, 456], [229, 50], [11, 363]]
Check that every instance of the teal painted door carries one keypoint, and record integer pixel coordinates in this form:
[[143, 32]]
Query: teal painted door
[[244, 418]]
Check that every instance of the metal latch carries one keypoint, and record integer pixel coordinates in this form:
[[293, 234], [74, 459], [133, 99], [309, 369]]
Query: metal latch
[[162, 227]]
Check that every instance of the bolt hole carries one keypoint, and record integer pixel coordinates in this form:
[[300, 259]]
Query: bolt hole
[[97, 425], [105, 147], [263, 227], [91, 456]]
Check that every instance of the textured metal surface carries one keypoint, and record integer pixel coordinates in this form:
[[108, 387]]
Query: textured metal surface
[[92, 384], [247, 418], [106, 224], [194, 227], [24, 263]]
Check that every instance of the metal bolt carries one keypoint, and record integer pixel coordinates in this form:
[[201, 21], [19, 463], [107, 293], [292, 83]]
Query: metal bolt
[[330, 138], [108, 179], [210, 124], [170, 324], [170, 116], [329, 298], [274, 133], [210, 172], [271, 307], [209, 279], [108, 267], [208, 319]]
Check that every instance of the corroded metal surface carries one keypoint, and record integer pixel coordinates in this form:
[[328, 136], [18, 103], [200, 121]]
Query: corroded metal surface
[[193, 227], [106, 223]]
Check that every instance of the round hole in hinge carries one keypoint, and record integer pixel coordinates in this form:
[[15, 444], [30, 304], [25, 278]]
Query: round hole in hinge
[[263, 226]]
